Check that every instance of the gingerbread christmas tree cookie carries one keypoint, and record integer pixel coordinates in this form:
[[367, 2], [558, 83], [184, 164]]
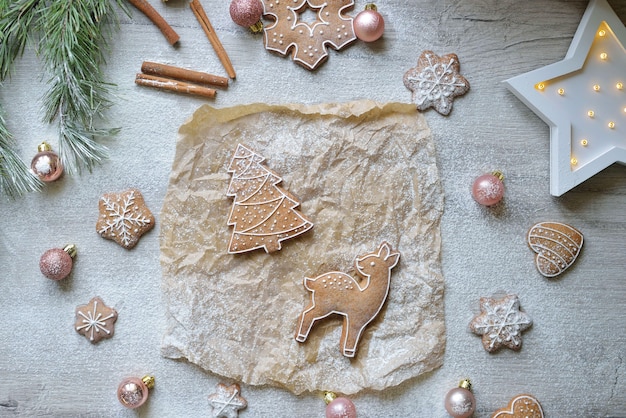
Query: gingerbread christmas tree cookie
[[263, 214]]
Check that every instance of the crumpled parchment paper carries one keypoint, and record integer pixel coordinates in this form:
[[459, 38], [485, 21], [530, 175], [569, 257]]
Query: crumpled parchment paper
[[364, 173]]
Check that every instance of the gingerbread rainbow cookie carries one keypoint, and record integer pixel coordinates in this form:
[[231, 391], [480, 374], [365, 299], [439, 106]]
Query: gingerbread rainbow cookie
[[263, 214], [308, 41], [557, 246], [436, 81], [521, 406], [358, 301]]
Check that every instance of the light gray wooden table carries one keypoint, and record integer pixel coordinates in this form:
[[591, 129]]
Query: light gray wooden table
[[573, 356]]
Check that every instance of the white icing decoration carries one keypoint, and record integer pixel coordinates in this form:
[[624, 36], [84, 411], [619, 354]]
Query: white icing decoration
[[246, 171], [501, 321], [94, 323], [435, 82], [124, 216], [225, 403]]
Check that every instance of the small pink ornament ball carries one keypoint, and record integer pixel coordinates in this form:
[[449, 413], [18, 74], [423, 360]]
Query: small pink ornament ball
[[460, 402], [369, 25], [488, 189], [247, 13], [56, 263], [339, 407], [133, 392], [46, 164]]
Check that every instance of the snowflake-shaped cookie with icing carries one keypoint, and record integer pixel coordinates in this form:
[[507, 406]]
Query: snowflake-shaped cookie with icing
[[226, 402], [95, 320], [307, 40], [124, 217], [436, 81], [501, 323]]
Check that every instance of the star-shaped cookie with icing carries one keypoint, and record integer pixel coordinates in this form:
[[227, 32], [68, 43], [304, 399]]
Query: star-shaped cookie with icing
[[95, 320], [501, 323], [124, 217], [436, 81], [226, 402]]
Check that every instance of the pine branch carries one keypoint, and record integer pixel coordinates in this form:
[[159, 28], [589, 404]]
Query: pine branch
[[15, 178], [72, 48], [16, 20]]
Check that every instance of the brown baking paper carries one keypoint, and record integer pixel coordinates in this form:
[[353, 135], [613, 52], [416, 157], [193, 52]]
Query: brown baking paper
[[364, 173]]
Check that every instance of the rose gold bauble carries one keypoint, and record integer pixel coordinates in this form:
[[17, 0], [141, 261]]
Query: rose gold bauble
[[133, 392], [247, 13], [369, 25], [460, 402], [56, 263], [488, 189], [46, 164]]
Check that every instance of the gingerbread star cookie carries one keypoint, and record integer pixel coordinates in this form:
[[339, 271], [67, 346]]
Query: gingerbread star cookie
[[124, 217], [436, 81], [308, 40], [557, 246], [95, 320], [226, 401], [358, 301], [500, 323], [521, 406]]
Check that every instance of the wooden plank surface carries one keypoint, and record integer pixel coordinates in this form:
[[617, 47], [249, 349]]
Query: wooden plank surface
[[573, 356]]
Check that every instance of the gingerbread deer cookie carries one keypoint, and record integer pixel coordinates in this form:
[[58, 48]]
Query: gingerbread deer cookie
[[359, 301]]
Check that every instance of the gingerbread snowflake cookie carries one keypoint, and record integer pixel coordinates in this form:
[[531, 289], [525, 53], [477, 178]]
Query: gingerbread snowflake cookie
[[95, 320], [557, 246], [358, 300], [124, 217], [436, 81], [500, 323], [308, 41], [226, 401], [263, 214]]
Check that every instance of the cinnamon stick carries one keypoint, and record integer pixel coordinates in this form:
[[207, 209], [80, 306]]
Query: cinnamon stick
[[173, 85], [198, 11], [145, 8], [169, 71]]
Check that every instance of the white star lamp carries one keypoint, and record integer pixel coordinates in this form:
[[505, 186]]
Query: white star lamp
[[583, 99]]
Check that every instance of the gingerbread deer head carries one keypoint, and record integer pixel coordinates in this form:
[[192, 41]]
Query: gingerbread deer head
[[358, 301]]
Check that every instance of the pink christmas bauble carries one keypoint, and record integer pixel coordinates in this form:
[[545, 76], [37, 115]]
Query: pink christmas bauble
[[369, 25], [132, 392], [55, 264], [488, 189], [460, 403], [341, 408], [246, 13]]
